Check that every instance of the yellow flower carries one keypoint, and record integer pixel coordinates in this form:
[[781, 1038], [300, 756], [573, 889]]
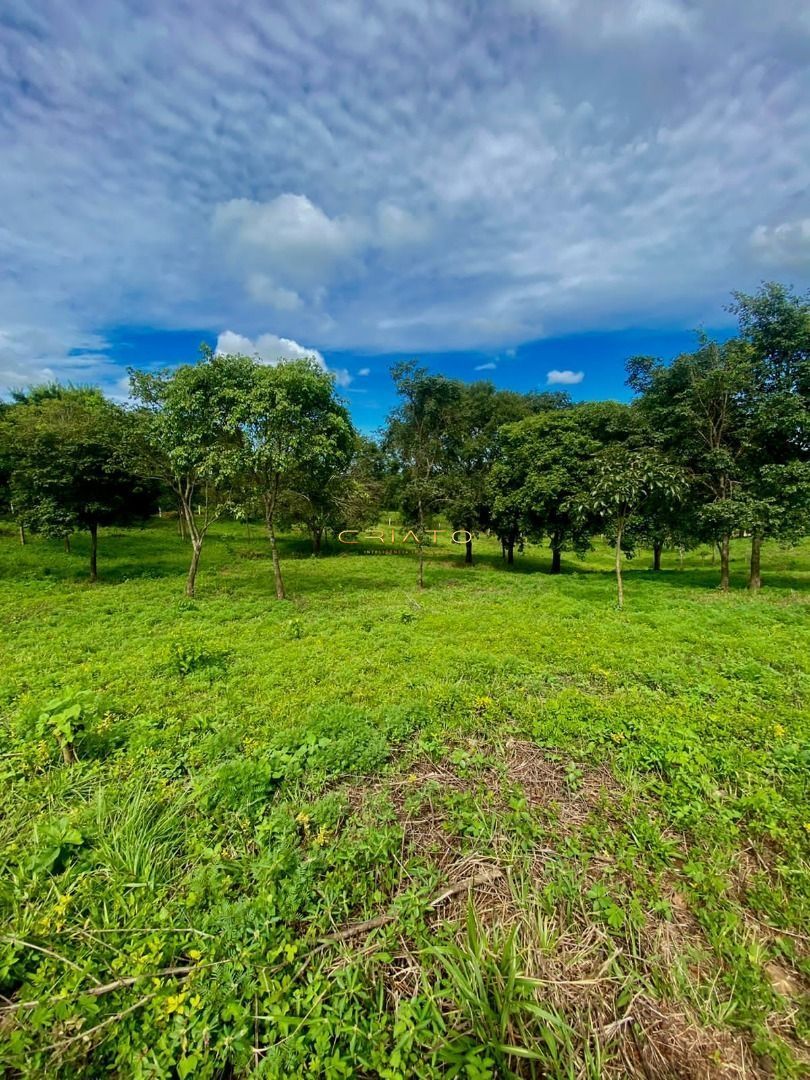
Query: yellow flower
[[57, 917], [174, 1004], [807, 825], [779, 731], [194, 954], [322, 836], [303, 819]]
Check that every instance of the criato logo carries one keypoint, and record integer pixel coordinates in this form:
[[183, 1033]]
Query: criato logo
[[410, 536]]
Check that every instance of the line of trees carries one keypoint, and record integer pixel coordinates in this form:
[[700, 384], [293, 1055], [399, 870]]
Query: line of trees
[[715, 443], [226, 435]]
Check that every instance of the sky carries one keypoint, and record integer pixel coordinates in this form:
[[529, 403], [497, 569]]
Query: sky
[[527, 191]]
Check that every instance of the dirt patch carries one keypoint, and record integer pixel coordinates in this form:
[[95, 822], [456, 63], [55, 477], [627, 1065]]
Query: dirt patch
[[668, 1044], [417, 799], [570, 792], [598, 980], [577, 789], [784, 982]]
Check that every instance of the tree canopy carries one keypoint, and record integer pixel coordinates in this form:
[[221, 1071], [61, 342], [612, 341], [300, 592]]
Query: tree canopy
[[715, 444], [67, 466]]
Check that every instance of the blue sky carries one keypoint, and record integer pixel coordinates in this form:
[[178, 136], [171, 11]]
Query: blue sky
[[592, 363], [505, 190]]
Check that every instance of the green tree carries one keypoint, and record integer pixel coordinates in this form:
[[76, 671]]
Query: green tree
[[338, 492], [775, 324], [541, 463], [418, 437], [695, 408], [289, 423], [623, 484], [67, 465], [471, 449], [187, 440]]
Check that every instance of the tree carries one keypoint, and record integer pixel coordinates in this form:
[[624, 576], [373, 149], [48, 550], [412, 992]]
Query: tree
[[777, 505], [188, 440], [418, 437], [339, 492], [695, 408], [67, 465], [289, 424], [471, 449], [775, 324], [624, 482], [542, 462]]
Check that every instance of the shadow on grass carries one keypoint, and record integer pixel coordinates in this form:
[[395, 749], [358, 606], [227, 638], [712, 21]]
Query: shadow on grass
[[231, 552]]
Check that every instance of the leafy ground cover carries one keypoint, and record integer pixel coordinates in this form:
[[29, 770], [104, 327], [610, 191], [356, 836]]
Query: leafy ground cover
[[495, 828]]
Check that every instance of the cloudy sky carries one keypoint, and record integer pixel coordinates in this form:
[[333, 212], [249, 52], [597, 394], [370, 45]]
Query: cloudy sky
[[521, 190]]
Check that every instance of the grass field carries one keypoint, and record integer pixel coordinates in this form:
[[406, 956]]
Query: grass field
[[495, 828]]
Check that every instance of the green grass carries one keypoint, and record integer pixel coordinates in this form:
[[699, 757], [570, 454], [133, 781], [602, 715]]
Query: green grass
[[254, 777]]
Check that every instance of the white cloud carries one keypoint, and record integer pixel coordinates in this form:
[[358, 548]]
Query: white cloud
[[261, 288], [32, 355], [486, 367], [342, 377], [288, 239], [483, 182], [289, 246], [398, 228], [272, 349], [787, 244], [564, 378], [269, 348], [364, 371], [596, 22]]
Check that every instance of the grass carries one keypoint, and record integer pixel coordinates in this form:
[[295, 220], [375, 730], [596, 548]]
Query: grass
[[497, 828]]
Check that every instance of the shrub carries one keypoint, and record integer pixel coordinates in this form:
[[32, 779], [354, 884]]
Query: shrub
[[66, 719]]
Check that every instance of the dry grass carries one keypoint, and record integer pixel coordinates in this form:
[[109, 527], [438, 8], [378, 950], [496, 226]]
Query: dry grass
[[602, 983]]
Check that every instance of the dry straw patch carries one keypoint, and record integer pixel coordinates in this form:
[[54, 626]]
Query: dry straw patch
[[587, 974], [667, 1042]]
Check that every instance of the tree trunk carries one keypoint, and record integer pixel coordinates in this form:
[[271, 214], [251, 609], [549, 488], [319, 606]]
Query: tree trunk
[[68, 753], [468, 550], [510, 552], [67, 545], [724, 561], [556, 554], [317, 537], [196, 551], [269, 510], [276, 562], [755, 576], [657, 548], [21, 526], [93, 551], [619, 582], [421, 546]]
